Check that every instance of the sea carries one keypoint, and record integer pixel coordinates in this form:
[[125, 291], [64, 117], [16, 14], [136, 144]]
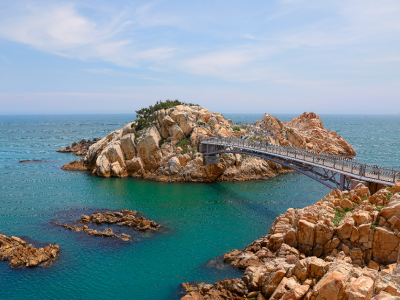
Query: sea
[[201, 221]]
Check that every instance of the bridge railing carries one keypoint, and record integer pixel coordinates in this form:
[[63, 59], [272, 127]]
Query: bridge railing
[[338, 163]]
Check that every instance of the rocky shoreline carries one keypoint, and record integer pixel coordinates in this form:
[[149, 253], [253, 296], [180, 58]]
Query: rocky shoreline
[[164, 146], [20, 254], [346, 246]]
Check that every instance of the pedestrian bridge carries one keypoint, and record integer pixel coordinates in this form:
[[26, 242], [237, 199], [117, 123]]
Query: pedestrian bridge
[[332, 171]]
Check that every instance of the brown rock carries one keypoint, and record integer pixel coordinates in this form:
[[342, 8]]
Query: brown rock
[[306, 233], [272, 281], [296, 293], [362, 191], [345, 228]]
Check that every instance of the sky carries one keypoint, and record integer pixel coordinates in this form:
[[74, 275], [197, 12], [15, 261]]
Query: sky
[[277, 56]]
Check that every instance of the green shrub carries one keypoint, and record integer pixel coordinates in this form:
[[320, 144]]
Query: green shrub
[[236, 128], [201, 123], [388, 196], [184, 143], [339, 215]]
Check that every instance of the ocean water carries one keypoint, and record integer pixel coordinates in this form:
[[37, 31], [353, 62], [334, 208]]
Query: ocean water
[[202, 221]]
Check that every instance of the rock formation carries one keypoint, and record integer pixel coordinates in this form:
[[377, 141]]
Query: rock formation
[[108, 232], [80, 147], [21, 254], [346, 246], [306, 132], [166, 149], [124, 218]]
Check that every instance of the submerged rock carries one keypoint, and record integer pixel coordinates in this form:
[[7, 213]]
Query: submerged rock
[[108, 232], [21, 254]]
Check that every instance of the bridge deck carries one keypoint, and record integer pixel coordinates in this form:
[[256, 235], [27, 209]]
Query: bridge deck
[[348, 167]]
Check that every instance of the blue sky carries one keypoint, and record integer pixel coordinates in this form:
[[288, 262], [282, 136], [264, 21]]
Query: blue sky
[[282, 56]]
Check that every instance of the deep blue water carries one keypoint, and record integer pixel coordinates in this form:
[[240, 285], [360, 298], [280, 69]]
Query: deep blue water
[[203, 221]]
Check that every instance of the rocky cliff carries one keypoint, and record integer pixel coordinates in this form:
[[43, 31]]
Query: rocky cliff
[[166, 148], [346, 246]]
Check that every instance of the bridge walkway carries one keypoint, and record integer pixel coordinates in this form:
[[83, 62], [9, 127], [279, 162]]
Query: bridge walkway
[[345, 166]]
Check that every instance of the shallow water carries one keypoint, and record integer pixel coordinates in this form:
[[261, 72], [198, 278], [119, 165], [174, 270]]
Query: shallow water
[[202, 221]]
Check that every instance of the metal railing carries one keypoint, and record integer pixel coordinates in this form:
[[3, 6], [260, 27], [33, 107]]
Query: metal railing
[[351, 166]]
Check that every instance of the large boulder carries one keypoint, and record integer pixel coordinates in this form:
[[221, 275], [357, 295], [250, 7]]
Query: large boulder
[[385, 247], [361, 288], [392, 208], [332, 285], [128, 146], [345, 228], [176, 134], [306, 233], [148, 148]]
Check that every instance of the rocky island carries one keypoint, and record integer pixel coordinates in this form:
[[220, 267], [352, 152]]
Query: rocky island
[[346, 246], [163, 144], [20, 254]]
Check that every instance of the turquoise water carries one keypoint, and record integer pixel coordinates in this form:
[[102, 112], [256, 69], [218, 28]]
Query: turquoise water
[[202, 221]]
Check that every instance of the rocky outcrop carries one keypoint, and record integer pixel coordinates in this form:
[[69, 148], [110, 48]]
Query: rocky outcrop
[[325, 251], [166, 149], [21, 254], [306, 132], [108, 232], [80, 147], [127, 218]]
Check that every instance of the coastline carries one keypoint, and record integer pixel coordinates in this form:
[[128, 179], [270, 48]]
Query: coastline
[[349, 238]]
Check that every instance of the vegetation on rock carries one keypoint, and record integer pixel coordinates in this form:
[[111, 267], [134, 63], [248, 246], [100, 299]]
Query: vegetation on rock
[[145, 116]]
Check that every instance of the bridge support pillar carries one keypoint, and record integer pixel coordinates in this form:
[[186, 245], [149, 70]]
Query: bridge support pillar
[[202, 148], [342, 182], [211, 159]]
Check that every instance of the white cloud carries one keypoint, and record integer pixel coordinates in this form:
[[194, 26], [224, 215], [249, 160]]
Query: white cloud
[[61, 29], [111, 72], [232, 64]]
